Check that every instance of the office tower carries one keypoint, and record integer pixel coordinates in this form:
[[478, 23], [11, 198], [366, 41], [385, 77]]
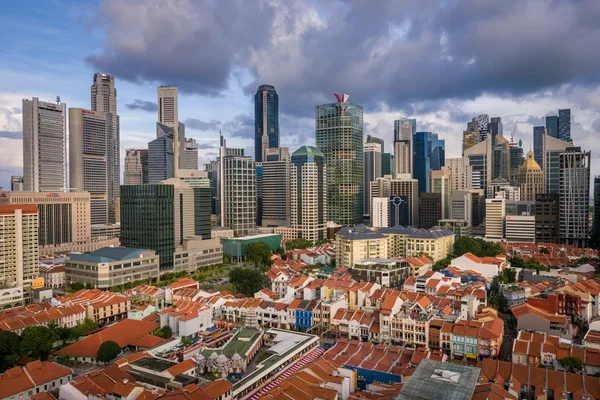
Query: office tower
[[190, 154], [308, 193], [373, 139], [266, 120], [461, 173], [380, 212], [430, 209], [19, 260], [508, 192], [495, 213], [552, 149], [403, 193], [104, 100], [237, 198], [530, 179], [564, 125], [552, 126], [88, 169], [496, 186], [538, 144], [516, 160], [339, 135], [16, 183], [440, 183], [547, 218], [387, 164], [160, 155], [136, 167], [500, 157], [520, 228], [200, 182], [372, 168], [480, 160], [258, 186], [429, 154], [404, 132], [275, 187], [466, 205], [574, 196], [44, 146], [63, 217], [495, 127], [168, 116], [482, 123], [596, 225], [148, 220]]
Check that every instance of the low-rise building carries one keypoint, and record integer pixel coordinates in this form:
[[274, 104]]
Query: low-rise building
[[35, 377], [535, 319], [112, 266], [194, 254], [19, 318], [486, 266], [357, 243], [385, 272], [53, 274], [101, 306]]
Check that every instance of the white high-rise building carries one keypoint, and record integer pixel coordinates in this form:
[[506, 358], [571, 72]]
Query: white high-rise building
[[88, 158], [380, 212], [190, 154], [168, 115], [372, 168], [275, 187], [461, 177], [104, 100], [44, 146], [495, 214], [404, 130]]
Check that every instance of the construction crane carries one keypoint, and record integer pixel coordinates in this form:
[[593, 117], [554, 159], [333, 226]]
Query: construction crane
[[512, 136]]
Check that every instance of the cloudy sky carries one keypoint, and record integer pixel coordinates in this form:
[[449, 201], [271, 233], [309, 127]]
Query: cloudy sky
[[441, 62]]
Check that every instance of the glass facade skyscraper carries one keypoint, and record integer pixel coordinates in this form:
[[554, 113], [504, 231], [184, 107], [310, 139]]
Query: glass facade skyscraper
[[387, 164], [538, 144], [266, 120], [148, 220], [552, 126], [160, 155], [564, 125], [429, 154], [339, 135]]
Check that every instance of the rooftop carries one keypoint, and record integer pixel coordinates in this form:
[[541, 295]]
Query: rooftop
[[109, 254]]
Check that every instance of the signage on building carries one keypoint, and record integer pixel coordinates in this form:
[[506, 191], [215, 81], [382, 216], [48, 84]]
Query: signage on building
[[88, 112], [52, 195]]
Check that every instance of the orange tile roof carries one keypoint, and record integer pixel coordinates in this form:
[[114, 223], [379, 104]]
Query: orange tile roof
[[181, 367]]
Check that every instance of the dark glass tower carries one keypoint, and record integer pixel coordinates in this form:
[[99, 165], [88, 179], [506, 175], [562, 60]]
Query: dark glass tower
[[339, 135], [148, 220], [266, 120], [538, 144], [552, 126], [202, 210], [429, 154], [564, 125]]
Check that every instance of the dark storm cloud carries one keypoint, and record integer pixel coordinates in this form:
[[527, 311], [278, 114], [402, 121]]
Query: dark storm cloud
[[205, 146], [397, 52], [196, 124], [11, 135], [143, 105], [241, 126], [536, 121]]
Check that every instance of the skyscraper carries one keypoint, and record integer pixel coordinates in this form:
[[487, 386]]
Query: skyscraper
[[429, 154], [596, 226], [480, 160], [574, 196], [403, 194], [530, 179], [461, 173], [471, 135], [387, 164], [547, 218], [482, 122], [552, 149], [380, 210], [160, 155], [495, 127], [552, 126], [266, 120], [168, 116], [372, 168], [275, 184], [538, 145], [88, 159], [19, 259], [190, 154], [404, 132], [104, 100], [500, 157], [16, 183], [308, 193], [373, 139], [440, 183], [237, 198], [339, 135], [136, 167], [44, 146], [564, 125], [516, 160], [430, 209]]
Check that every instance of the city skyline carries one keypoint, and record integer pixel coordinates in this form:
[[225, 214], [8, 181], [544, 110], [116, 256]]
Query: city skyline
[[229, 105]]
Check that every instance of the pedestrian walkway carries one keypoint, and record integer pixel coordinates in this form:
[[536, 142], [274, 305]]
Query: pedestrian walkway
[[310, 357]]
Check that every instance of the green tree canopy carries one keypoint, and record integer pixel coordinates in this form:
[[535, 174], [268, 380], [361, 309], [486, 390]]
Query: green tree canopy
[[77, 285], [87, 325], [258, 253], [572, 364], [247, 280], [476, 246], [165, 332], [509, 275], [298, 244], [10, 346], [37, 342], [108, 351]]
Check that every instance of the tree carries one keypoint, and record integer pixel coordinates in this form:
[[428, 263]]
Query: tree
[[186, 341], [441, 264], [10, 344], [77, 286], [108, 351], [37, 342], [67, 361], [298, 244], [517, 262], [544, 250], [247, 281], [258, 253], [88, 325], [88, 286], [165, 332], [509, 275], [476, 246], [572, 364]]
